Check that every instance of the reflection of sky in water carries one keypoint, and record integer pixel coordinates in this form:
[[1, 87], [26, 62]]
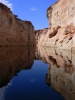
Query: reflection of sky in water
[[32, 80], [2, 91], [31, 85]]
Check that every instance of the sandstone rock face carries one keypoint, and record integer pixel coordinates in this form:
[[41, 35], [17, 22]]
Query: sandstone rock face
[[61, 33], [40, 35], [61, 70], [14, 31], [61, 13], [63, 38]]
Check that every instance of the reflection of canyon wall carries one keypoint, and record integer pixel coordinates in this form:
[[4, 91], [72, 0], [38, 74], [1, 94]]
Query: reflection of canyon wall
[[12, 60], [14, 31], [61, 71]]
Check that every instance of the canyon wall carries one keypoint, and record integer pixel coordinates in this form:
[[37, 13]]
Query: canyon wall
[[61, 32], [40, 35], [61, 13], [61, 71], [14, 31]]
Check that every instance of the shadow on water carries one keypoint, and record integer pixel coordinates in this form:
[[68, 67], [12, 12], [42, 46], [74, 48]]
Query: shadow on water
[[61, 71]]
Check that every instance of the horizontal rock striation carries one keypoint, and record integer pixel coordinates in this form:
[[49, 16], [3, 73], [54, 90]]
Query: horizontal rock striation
[[61, 33], [14, 31]]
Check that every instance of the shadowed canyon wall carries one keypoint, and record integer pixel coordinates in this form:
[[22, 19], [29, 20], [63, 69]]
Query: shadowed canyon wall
[[61, 32], [14, 31], [61, 70]]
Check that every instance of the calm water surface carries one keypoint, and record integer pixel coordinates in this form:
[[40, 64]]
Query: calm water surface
[[41, 74]]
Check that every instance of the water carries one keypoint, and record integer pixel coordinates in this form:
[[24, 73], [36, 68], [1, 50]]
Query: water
[[27, 73]]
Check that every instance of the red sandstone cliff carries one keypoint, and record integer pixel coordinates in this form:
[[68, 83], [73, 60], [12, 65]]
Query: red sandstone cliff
[[14, 31], [61, 33]]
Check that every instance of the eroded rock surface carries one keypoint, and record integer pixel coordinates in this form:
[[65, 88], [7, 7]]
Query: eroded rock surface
[[61, 33], [61, 13], [40, 35], [14, 31], [62, 39]]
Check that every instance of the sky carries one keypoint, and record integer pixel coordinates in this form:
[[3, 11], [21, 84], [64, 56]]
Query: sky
[[31, 10]]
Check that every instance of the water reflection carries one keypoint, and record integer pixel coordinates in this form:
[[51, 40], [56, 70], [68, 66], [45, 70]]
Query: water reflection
[[13, 60], [60, 75], [61, 70]]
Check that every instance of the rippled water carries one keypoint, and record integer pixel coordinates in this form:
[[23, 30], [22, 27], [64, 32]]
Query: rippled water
[[27, 73]]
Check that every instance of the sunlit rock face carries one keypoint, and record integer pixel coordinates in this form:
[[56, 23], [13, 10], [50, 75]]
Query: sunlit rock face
[[61, 32], [61, 37], [13, 60], [61, 70], [61, 13], [40, 35], [14, 31]]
